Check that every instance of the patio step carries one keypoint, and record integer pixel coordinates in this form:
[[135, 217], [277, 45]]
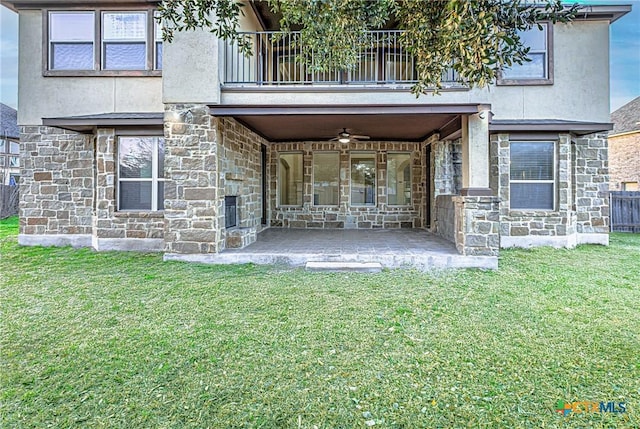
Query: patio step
[[343, 267]]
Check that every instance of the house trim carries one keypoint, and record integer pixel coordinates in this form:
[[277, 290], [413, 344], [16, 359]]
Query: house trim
[[541, 125], [57, 240], [351, 109]]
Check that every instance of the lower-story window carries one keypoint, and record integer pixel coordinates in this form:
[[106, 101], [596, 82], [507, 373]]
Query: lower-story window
[[326, 178], [141, 173], [363, 179], [532, 174], [399, 179], [290, 184]]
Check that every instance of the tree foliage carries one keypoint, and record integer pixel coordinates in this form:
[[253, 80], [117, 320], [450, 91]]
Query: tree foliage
[[477, 38]]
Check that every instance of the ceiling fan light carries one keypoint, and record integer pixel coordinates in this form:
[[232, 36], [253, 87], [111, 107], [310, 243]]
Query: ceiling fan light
[[344, 139]]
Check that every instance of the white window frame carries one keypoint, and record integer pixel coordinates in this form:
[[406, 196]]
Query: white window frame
[[410, 203], [279, 176], [313, 177], [553, 181], [151, 38], [375, 181], [154, 179], [124, 41], [51, 41], [157, 38]]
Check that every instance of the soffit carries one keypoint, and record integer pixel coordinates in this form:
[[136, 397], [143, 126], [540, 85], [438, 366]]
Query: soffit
[[412, 123], [270, 21]]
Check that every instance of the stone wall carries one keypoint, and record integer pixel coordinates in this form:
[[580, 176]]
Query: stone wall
[[592, 184], [446, 170], [624, 160], [581, 195], [125, 230], [240, 175], [477, 225], [56, 186], [559, 222], [447, 177], [445, 217], [344, 215], [192, 191]]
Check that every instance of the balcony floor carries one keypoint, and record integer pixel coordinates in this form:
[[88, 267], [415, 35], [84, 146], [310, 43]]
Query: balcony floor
[[392, 248]]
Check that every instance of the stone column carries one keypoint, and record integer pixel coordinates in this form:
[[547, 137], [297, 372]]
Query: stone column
[[193, 200], [475, 153], [477, 225], [592, 189]]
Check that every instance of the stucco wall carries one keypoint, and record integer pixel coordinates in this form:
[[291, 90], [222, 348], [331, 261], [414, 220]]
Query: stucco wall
[[191, 74], [580, 90], [46, 97]]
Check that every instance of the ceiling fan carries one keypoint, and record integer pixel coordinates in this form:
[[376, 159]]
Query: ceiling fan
[[345, 137]]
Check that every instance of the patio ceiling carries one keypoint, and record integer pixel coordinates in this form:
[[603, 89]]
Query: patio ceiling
[[412, 123]]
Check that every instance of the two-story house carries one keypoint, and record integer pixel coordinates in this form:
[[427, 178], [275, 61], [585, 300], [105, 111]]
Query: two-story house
[[191, 149], [9, 146]]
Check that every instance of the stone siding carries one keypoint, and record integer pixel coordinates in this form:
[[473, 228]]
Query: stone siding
[[592, 184], [446, 170], [447, 162], [477, 225], [518, 223], [240, 167], [57, 182], [581, 195], [445, 217], [192, 191], [344, 215], [110, 224], [624, 160]]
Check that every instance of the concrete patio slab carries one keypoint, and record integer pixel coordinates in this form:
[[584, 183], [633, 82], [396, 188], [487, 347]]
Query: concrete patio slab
[[391, 248]]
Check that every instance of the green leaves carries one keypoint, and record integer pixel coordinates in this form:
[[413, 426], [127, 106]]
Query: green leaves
[[477, 38]]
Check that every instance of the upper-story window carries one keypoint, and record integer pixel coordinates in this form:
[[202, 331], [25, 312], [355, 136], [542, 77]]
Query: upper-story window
[[540, 69], [103, 42]]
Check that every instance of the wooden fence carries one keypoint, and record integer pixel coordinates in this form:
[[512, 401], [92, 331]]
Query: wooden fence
[[625, 211], [9, 198]]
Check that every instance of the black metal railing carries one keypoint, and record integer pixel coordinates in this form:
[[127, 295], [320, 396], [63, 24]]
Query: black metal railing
[[274, 62]]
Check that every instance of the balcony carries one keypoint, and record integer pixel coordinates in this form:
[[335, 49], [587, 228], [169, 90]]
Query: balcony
[[383, 62]]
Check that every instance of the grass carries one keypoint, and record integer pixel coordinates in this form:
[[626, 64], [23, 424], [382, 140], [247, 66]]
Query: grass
[[125, 340]]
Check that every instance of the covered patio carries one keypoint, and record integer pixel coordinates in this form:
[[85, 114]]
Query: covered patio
[[391, 248]]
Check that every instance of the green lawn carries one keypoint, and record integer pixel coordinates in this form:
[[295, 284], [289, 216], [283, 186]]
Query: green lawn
[[125, 340]]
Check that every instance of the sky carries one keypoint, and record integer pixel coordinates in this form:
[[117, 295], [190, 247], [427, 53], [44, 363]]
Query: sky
[[624, 55]]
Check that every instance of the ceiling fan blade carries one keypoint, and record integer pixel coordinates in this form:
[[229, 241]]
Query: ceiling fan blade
[[334, 139], [360, 137]]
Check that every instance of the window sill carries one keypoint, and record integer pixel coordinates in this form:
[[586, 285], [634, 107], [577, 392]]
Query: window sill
[[102, 73], [524, 82], [534, 212], [140, 214]]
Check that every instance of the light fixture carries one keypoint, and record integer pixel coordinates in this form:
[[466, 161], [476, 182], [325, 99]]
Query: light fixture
[[345, 137]]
